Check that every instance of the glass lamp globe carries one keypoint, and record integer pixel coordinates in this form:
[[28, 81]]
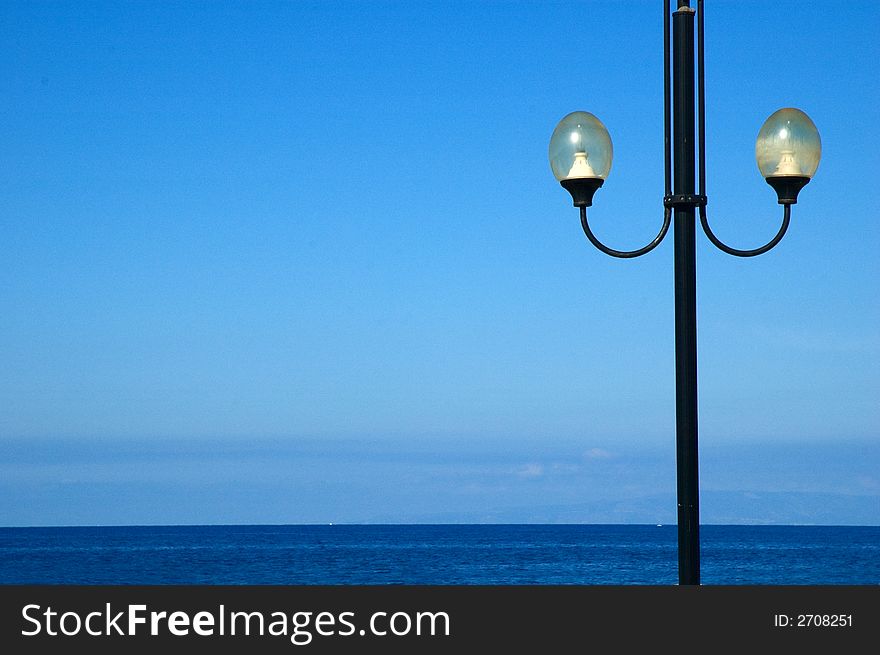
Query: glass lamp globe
[[787, 151], [580, 155]]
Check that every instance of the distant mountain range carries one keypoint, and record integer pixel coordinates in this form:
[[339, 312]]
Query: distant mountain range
[[717, 507]]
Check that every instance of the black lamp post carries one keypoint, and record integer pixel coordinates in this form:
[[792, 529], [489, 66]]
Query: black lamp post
[[787, 151]]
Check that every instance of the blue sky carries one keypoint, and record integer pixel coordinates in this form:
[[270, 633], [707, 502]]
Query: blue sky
[[306, 262]]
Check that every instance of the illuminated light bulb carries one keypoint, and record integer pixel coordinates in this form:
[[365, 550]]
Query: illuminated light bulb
[[787, 151], [580, 147], [581, 167], [580, 155], [787, 165]]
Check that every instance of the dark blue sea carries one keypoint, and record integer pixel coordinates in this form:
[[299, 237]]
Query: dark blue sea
[[435, 554]]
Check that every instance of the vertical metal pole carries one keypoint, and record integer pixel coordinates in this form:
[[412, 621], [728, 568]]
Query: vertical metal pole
[[685, 299]]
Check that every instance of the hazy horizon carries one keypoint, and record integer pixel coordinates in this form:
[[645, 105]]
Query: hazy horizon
[[316, 481]]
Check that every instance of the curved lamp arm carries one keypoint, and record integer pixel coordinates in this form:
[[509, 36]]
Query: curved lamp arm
[[625, 254], [786, 217]]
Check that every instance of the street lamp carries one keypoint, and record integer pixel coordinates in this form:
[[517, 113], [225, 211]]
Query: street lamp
[[787, 151]]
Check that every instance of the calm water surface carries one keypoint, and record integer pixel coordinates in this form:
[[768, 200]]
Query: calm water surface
[[434, 554]]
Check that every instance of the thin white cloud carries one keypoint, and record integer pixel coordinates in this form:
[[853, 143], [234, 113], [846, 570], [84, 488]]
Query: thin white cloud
[[869, 483], [531, 471], [598, 453]]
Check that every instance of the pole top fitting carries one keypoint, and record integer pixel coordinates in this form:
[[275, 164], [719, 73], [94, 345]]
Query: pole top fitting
[[684, 7]]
